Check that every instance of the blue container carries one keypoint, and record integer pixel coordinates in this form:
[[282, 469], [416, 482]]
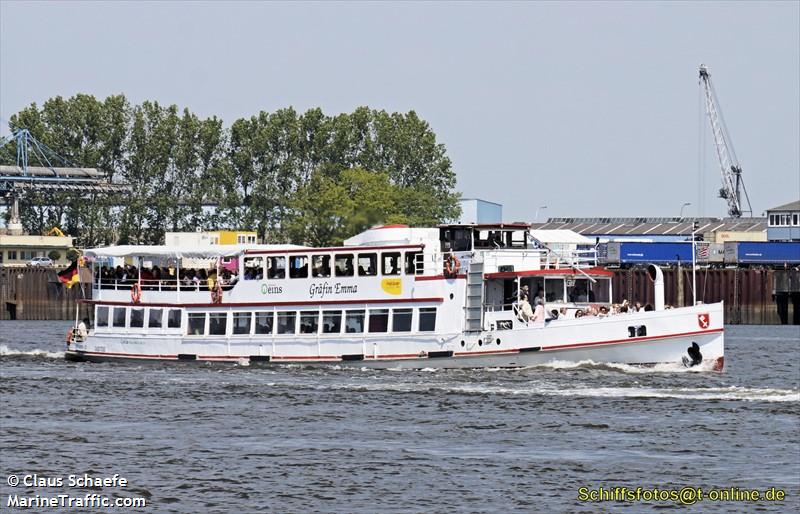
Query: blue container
[[767, 253], [655, 253]]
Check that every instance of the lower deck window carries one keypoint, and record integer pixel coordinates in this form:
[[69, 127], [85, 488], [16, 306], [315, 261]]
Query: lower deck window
[[241, 322], [286, 322], [174, 318], [331, 322], [217, 323], [137, 318], [401, 320], [309, 322], [101, 317], [154, 318], [197, 324], [354, 322], [427, 319], [119, 317], [264, 322], [378, 320]]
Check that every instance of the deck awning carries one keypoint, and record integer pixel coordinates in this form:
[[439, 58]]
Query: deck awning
[[560, 237], [180, 252], [554, 273]]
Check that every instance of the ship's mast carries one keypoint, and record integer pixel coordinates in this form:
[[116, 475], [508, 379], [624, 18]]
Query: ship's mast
[[732, 184]]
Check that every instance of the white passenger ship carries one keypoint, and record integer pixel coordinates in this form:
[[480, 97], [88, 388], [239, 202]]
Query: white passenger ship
[[391, 297]]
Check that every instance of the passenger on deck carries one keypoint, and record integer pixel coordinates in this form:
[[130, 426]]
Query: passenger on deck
[[538, 313], [82, 330], [525, 310]]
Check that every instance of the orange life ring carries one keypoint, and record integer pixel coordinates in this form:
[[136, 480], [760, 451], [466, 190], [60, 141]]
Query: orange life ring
[[216, 293], [451, 266], [136, 293]]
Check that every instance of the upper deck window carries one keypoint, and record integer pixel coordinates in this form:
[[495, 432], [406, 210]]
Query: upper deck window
[[493, 239], [411, 262], [456, 239], [298, 266], [343, 263], [390, 263], [253, 268], [554, 290], [276, 267], [367, 264], [321, 266]]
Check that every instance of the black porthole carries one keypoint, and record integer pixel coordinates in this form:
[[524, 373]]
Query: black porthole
[[451, 296], [480, 342], [498, 340], [463, 343]]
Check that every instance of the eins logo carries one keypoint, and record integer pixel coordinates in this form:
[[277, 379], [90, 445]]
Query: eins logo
[[704, 320]]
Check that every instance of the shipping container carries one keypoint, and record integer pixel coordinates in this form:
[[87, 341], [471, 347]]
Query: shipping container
[[648, 253], [769, 253]]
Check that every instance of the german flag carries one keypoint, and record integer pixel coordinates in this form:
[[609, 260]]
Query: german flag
[[70, 276]]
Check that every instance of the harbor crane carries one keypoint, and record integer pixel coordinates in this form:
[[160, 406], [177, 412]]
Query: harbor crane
[[732, 184]]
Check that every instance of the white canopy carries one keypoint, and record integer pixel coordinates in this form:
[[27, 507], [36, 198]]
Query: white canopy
[[560, 237], [180, 252]]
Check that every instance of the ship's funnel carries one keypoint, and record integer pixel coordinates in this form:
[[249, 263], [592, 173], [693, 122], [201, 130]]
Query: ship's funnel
[[655, 274]]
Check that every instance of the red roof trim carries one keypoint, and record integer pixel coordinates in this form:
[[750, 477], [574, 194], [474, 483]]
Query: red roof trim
[[396, 225], [599, 272]]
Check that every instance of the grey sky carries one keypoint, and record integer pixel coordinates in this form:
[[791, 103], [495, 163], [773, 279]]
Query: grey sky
[[589, 108]]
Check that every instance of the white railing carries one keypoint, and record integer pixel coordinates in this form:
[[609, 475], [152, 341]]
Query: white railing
[[571, 259]]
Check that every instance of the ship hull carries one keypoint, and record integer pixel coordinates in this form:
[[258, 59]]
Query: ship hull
[[644, 338]]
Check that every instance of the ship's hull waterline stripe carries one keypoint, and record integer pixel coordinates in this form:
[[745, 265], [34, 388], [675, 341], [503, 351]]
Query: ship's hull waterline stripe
[[336, 358]]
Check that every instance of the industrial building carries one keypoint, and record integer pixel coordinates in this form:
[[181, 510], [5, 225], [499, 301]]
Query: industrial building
[[784, 222]]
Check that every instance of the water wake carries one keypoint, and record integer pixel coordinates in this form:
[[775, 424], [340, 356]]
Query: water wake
[[5, 351], [734, 393]]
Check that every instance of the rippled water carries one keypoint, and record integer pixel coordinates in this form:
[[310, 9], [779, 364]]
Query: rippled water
[[219, 438]]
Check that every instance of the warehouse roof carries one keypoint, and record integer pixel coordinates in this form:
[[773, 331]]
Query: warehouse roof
[[651, 226]]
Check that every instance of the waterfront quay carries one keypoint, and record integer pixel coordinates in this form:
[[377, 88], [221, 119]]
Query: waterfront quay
[[751, 296]]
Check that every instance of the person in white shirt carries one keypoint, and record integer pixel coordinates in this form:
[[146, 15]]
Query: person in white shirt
[[538, 313], [525, 311], [83, 330]]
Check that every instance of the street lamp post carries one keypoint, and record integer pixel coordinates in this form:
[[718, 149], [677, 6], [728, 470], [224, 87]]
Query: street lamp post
[[536, 218], [687, 204]]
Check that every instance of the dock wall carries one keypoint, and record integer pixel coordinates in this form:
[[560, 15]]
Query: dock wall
[[36, 293], [752, 297]]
